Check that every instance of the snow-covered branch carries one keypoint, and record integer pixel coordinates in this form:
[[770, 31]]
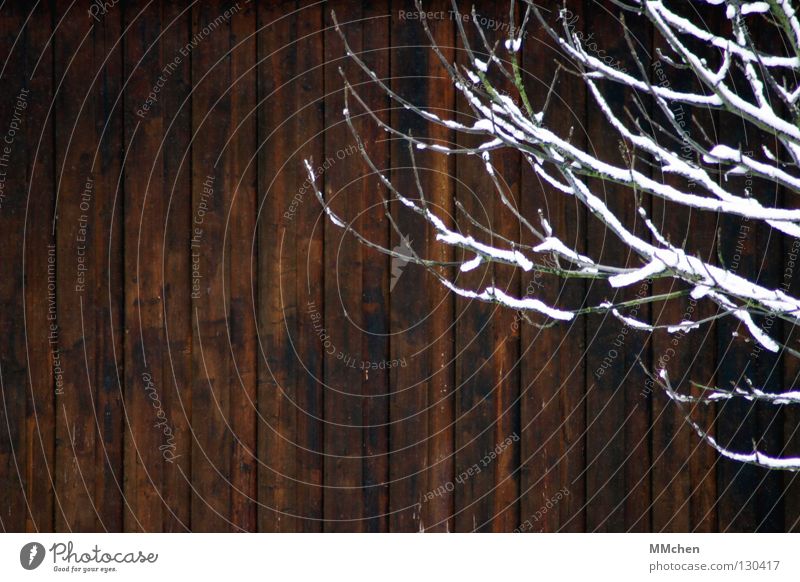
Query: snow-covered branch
[[755, 85]]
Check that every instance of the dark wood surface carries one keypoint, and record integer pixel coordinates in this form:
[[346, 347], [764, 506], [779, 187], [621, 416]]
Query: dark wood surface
[[229, 360]]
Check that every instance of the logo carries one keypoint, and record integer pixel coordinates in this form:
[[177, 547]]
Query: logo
[[31, 555], [399, 262]]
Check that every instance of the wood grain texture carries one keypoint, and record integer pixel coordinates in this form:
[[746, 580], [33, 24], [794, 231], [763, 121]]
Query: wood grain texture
[[355, 399], [39, 453], [175, 263], [618, 447], [16, 437], [422, 332], [143, 209], [554, 377], [681, 504], [188, 344], [290, 272]]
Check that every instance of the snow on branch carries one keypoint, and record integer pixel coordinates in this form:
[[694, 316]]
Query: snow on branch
[[754, 457], [754, 84]]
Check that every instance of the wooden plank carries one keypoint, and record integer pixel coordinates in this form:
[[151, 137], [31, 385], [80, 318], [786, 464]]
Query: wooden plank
[[241, 160], [421, 323], [683, 486], [702, 458], [440, 186], [15, 133], [749, 498], [735, 481], [702, 474], [356, 433], [39, 274], [290, 277], [277, 311], [343, 464], [681, 480], [791, 416], [212, 124], [735, 420], [78, 49], [175, 262], [486, 380], [151, 446], [769, 495], [553, 390], [143, 325], [102, 298], [618, 485], [375, 336], [308, 287], [506, 369], [790, 379]]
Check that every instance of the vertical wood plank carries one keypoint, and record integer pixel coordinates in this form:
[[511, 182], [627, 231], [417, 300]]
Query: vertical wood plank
[[152, 454], [506, 369], [439, 185], [143, 323], [486, 383], [553, 385], [769, 495], [290, 276], [241, 230], [375, 337], [355, 413], [618, 483], [213, 179], [735, 419], [683, 486], [421, 340], [343, 466], [174, 106], [79, 49], [791, 416], [39, 273], [102, 298], [15, 131]]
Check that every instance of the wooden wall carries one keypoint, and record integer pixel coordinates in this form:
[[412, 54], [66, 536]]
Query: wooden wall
[[187, 344]]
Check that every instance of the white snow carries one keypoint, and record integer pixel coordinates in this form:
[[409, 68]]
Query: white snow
[[634, 323], [513, 45], [471, 264], [624, 279], [555, 245], [493, 294], [758, 334], [683, 326]]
